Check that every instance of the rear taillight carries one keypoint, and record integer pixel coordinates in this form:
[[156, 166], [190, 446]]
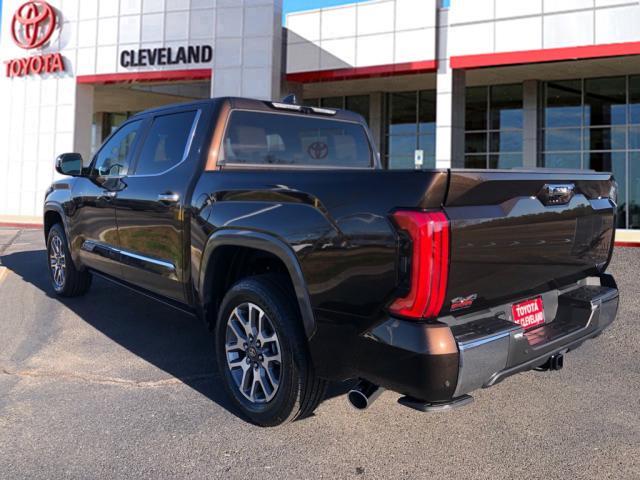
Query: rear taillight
[[429, 263]]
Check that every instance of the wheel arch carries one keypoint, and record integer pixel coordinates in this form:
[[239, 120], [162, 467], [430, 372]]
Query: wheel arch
[[259, 242], [53, 214]]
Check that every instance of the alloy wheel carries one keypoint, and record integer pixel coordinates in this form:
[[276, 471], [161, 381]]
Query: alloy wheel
[[57, 261], [253, 353]]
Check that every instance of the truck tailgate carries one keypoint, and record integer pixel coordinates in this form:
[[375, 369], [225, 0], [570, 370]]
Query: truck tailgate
[[515, 233]]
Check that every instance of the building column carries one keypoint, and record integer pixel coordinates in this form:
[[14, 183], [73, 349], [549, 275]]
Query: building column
[[83, 122], [248, 50], [530, 134], [450, 103]]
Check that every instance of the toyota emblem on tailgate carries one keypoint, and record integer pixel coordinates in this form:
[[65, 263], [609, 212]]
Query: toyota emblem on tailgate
[[557, 193]]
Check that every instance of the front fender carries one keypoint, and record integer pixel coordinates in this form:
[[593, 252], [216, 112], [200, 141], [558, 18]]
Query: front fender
[[270, 244]]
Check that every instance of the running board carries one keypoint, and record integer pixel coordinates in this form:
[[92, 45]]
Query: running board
[[435, 406]]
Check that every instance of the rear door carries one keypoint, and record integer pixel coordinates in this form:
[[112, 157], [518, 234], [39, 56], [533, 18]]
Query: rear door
[[150, 209]]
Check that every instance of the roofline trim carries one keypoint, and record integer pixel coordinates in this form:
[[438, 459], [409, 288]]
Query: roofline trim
[[149, 76], [544, 55], [425, 66]]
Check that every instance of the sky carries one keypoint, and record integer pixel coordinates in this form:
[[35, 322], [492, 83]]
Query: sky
[[298, 5]]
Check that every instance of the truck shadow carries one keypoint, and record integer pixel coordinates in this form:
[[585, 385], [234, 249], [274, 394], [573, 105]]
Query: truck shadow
[[172, 341]]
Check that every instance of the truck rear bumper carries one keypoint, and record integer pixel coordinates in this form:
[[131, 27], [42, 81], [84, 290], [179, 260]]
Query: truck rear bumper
[[438, 363], [493, 349]]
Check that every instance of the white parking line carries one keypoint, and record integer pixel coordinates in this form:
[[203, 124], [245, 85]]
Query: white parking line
[[3, 273]]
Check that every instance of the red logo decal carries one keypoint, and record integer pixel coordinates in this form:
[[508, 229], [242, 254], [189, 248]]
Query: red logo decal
[[33, 24], [463, 302]]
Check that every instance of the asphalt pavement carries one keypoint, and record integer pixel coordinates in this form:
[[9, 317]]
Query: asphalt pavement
[[113, 385]]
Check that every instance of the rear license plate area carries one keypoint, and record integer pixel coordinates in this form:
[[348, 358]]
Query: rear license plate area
[[528, 314]]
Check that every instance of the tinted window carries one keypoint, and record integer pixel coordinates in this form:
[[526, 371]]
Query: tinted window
[[113, 158], [166, 144], [281, 139]]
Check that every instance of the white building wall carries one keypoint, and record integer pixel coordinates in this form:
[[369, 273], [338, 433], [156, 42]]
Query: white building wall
[[380, 32], [495, 26]]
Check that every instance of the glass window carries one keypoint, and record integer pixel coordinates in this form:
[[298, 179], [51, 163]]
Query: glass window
[[605, 101], [563, 104], [281, 139], [358, 104], [634, 190], [402, 145], [475, 161], [402, 163], [562, 139], [604, 139], [634, 100], [476, 142], [506, 107], [634, 138], [166, 143], [604, 135], [506, 141], [562, 160], [411, 126], [505, 160], [476, 108], [494, 124], [332, 102], [427, 111], [403, 113], [114, 157]]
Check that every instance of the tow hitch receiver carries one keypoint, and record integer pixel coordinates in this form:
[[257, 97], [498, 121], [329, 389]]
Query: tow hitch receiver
[[555, 362]]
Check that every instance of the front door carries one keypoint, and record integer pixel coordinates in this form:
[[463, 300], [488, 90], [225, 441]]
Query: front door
[[150, 207], [93, 220]]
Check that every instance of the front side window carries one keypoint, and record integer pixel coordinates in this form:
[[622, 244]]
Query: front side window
[[257, 138], [114, 157], [166, 144]]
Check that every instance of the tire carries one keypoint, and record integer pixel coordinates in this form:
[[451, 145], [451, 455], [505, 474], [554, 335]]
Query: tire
[[299, 390], [66, 279]]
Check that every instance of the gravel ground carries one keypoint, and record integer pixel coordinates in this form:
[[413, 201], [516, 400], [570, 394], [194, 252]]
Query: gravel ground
[[115, 385]]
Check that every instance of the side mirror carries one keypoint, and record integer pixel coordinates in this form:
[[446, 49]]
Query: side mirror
[[69, 164]]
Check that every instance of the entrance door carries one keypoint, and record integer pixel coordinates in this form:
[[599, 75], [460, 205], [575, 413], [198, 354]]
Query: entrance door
[[94, 216], [150, 207]]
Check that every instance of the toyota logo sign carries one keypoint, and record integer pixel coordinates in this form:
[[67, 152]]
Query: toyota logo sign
[[33, 24]]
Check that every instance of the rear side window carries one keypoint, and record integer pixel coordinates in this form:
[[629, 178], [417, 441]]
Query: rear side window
[[257, 138], [166, 144]]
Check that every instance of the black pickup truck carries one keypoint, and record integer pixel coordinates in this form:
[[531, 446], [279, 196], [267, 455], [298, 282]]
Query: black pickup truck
[[275, 224]]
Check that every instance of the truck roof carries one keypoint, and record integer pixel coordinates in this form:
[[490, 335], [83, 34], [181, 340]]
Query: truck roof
[[260, 105]]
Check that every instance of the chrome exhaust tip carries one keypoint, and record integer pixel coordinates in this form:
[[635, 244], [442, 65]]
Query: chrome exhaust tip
[[363, 395]]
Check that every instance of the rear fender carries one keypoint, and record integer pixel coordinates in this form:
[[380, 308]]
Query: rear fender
[[270, 244]]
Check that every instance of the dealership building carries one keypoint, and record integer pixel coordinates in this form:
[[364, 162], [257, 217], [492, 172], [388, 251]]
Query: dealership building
[[460, 84]]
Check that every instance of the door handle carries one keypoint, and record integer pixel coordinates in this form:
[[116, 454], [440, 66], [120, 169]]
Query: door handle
[[107, 195], [169, 198]]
